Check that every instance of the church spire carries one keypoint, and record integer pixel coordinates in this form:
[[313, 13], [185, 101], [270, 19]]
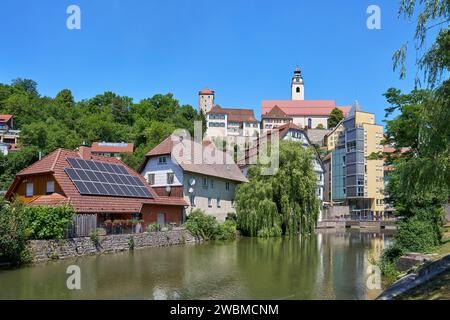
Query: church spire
[[297, 86]]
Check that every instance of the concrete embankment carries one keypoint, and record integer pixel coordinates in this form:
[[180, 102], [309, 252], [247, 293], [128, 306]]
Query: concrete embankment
[[45, 250], [354, 224], [415, 279]]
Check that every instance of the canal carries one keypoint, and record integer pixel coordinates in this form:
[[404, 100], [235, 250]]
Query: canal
[[327, 265]]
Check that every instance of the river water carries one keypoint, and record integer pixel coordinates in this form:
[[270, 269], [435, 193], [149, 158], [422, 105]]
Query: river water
[[327, 265]]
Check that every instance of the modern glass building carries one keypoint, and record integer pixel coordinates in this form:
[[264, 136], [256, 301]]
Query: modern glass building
[[356, 178]]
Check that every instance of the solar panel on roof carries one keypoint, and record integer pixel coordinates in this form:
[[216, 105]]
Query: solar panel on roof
[[83, 164], [81, 187], [101, 178], [123, 170], [74, 163]]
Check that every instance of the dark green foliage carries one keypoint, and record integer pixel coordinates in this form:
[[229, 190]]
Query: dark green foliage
[[336, 116], [206, 227], [286, 200], [417, 235], [15, 162], [48, 124], [226, 230], [201, 225], [13, 233], [48, 222], [419, 186]]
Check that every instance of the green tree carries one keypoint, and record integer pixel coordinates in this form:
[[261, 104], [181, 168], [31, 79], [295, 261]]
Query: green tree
[[65, 98], [420, 184], [433, 15], [336, 116], [13, 236], [320, 126], [26, 85], [286, 200]]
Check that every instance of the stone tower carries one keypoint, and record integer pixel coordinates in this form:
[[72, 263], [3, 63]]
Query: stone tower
[[298, 88], [205, 100]]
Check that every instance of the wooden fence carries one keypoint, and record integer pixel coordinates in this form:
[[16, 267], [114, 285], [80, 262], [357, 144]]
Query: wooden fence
[[83, 225]]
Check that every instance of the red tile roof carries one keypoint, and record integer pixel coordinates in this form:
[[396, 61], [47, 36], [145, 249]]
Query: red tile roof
[[56, 162], [303, 107], [5, 117], [276, 112], [109, 147], [54, 199], [235, 114], [228, 170], [206, 91], [393, 150]]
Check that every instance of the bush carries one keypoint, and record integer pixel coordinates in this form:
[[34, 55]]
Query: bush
[[226, 230], [272, 232], [416, 235], [202, 225], [153, 227], [13, 233], [95, 237], [49, 222], [131, 243]]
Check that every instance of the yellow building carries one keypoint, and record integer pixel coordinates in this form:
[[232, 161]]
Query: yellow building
[[354, 172]]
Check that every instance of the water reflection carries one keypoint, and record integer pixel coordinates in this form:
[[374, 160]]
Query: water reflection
[[326, 265]]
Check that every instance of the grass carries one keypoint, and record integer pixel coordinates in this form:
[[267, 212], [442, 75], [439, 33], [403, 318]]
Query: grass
[[444, 249], [436, 289]]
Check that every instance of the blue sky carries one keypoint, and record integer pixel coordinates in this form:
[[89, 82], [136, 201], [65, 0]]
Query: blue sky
[[246, 50]]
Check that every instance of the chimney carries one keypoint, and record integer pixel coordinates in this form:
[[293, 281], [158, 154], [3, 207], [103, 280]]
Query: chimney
[[85, 152]]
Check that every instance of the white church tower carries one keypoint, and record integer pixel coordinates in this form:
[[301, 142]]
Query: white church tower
[[298, 88]]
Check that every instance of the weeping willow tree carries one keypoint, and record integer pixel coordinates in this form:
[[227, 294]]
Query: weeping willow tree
[[285, 202]]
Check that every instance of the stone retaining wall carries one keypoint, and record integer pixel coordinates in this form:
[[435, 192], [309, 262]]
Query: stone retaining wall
[[44, 250]]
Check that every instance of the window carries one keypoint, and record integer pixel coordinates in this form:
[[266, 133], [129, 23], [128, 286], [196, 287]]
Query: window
[[192, 200], [162, 160], [351, 146], [218, 202], [212, 184], [161, 219], [209, 202], [151, 178], [227, 186], [29, 192], [205, 183], [298, 89], [50, 187], [310, 123], [170, 177]]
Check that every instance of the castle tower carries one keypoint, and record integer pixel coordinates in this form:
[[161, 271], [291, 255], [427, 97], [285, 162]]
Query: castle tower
[[298, 88], [205, 100]]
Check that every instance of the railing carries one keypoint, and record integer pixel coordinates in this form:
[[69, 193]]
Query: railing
[[11, 132]]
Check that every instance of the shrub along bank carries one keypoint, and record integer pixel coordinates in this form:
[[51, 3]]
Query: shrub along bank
[[206, 227], [19, 224]]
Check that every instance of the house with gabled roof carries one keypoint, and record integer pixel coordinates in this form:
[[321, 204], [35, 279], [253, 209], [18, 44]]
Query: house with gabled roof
[[103, 186], [112, 149], [291, 132], [202, 174], [223, 122], [8, 135]]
